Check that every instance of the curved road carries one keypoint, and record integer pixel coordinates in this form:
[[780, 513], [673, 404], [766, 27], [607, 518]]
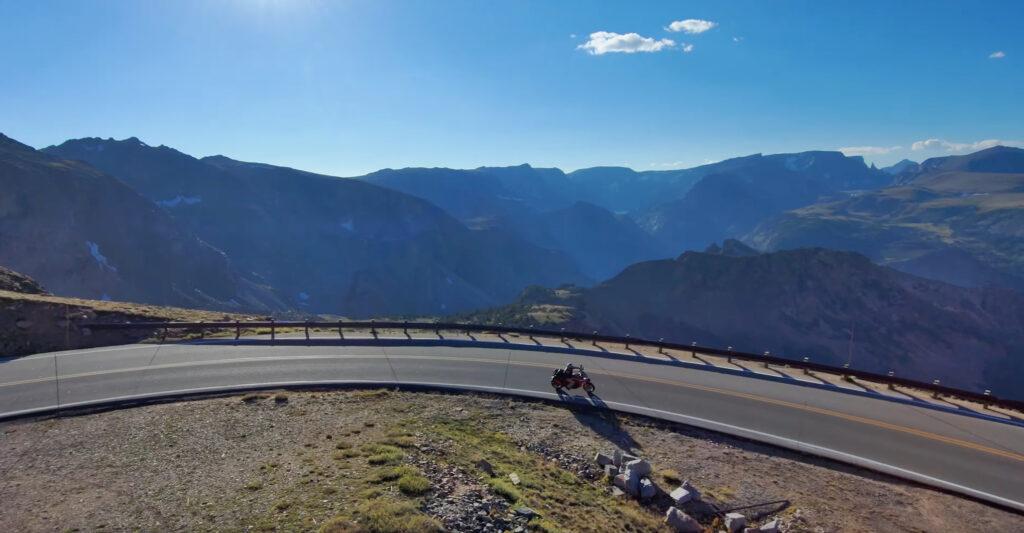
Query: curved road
[[969, 455]]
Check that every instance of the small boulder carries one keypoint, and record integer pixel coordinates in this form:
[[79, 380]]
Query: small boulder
[[514, 477], [617, 458], [639, 467], [769, 527], [485, 466], [694, 493], [647, 489], [735, 522], [681, 495], [526, 511], [617, 493], [682, 522], [602, 459], [628, 482]]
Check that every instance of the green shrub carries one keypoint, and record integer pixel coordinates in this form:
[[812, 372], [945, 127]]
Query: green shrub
[[387, 516], [413, 485], [393, 473], [385, 458], [504, 489]]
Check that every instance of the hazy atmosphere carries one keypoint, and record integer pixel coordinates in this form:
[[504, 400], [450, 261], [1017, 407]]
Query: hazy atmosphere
[[345, 88], [511, 266]]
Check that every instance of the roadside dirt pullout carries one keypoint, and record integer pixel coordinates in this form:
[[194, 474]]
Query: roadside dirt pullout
[[388, 461]]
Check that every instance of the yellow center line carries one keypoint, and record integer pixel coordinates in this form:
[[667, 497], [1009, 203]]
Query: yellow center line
[[736, 394]]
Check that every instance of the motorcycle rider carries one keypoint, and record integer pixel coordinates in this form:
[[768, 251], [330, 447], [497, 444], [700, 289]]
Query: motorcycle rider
[[570, 371]]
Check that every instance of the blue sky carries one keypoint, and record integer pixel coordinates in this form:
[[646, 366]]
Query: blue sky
[[349, 86]]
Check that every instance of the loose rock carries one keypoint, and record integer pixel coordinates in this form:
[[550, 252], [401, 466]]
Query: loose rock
[[639, 467], [485, 467], [647, 489], [735, 522], [682, 522]]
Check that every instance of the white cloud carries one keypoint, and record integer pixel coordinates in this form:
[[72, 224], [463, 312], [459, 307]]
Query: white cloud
[[998, 54], [949, 146], [687, 48], [605, 42], [868, 150], [674, 164], [737, 39], [572, 35], [691, 26]]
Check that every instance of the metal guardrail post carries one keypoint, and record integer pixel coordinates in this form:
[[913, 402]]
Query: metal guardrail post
[[891, 374], [806, 371], [661, 345], [373, 330], [238, 330], [273, 333], [935, 394], [202, 332], [341, 334], [307, 330], [729, 358]]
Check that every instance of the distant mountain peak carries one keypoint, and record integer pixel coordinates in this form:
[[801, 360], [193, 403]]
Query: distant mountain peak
[[901, 167], [9, 144], [731, 248]]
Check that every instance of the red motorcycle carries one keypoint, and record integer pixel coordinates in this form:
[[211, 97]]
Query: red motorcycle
[[565, 380]]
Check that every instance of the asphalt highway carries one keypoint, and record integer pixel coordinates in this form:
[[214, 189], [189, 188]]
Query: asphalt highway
[[970, 455]]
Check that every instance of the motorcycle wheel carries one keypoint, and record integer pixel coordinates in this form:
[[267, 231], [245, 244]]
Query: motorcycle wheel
[[555, 384]]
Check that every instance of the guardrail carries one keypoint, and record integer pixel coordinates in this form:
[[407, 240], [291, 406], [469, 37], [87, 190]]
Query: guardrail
[[935, 387]]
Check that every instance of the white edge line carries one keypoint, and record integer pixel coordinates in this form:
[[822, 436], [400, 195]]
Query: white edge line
[[703, 423]]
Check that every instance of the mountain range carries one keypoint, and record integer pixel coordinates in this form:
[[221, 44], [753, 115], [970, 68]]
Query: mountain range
[[326, 244], [958, 219], [834, 307], [81, 232], [920, 263]]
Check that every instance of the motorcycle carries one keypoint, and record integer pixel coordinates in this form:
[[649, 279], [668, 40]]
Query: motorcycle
[[559, 380]]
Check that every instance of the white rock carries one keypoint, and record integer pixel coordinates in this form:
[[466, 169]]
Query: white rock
[[735, 522], [770, 527], [682, 522], [514, 477], [611, 470], [639, 467], [681, 495]]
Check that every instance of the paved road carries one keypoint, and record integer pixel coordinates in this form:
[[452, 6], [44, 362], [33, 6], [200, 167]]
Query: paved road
[[969, 455]]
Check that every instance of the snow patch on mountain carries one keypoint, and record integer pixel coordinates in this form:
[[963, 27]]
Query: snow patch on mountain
[[179, 200], [101, 260]]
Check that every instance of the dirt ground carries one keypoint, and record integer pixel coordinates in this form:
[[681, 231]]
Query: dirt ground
[[409, 461]]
